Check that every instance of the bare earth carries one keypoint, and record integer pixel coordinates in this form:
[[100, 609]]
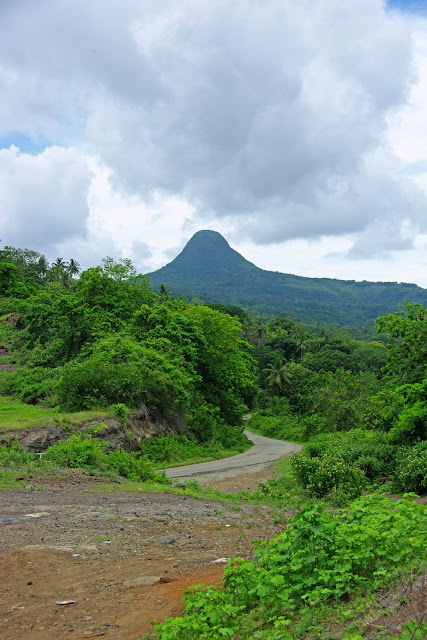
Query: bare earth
[[109, 552]]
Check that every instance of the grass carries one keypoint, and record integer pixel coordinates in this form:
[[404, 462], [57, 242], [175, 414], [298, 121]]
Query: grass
[[193, 489], [16, 415]]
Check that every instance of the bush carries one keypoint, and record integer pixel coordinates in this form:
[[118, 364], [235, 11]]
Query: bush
[[286, 427], [130, 466], [370, 451], [30, 385], [321, 556], [76, 452], [170, 448], [328, 476], [12, 455], [81, 451], [411, 469]]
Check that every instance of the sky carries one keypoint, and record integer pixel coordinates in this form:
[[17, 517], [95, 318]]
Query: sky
[[298, 130]]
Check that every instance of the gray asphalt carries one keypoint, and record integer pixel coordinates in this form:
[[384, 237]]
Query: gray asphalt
[[264, 450]]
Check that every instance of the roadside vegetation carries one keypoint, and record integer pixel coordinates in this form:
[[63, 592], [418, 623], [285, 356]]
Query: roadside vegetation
[[75, 351]]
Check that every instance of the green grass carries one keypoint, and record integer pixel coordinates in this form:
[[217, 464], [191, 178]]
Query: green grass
[[16, 415], [195, 490]]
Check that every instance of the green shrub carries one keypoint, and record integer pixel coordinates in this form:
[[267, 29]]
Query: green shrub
[[321, 556], [121, 412], [368, 452], [30, 384], [81, 451], [284, 427], [130, 466], [170, 448], [328, 476], [12, 455], [411, 469], [76, 452]]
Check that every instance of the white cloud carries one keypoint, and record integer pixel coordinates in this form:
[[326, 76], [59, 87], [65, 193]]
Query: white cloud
[[43, 197]]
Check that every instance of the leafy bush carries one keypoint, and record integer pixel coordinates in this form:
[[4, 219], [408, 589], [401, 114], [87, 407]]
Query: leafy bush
[[121, 413], [81, 451], [328, 459], [322, 556], [128, 465], [76, 452], [328, 476], [411, 469], [122, 371], [170, 448], [30, 384], [12, 455]]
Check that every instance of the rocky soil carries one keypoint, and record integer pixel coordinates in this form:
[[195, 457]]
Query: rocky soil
[[123, 558]]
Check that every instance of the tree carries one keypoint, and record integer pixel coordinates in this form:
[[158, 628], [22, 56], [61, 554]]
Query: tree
[[164, 293], [59, 264], [278, 373], [42, 265], [122, 269], [73, 267], [407, 329], [260, 332]]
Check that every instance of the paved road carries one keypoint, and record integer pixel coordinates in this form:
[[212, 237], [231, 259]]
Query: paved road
[[264, 450]]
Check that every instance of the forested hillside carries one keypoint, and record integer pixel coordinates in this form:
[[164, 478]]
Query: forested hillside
[[209, 269]]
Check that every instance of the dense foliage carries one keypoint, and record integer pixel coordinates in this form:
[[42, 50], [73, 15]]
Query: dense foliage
[[321, 557], [107, 338]]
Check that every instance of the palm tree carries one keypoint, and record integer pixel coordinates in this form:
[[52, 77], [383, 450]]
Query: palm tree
[[259, 333], [59, 264], [164, 293], [73, 268], [278, 374], [66, 278], [56, 270], [42, 265], [301, 344]]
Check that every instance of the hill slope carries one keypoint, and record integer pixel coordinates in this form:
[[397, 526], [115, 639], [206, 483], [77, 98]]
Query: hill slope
[[210, 269]]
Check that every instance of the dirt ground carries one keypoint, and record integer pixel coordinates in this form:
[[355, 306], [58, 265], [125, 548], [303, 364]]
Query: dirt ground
[[124, 558]]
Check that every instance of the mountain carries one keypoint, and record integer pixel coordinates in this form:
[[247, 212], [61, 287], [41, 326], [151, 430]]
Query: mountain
[[208, 268]]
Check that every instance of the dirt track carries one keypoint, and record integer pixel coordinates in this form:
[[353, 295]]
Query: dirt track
[[108, 552]]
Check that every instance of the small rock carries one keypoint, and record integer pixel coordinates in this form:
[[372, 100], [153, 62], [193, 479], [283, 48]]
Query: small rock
[[171, 539], [220, 561], [30, 582], [10, 521], [29, 487]]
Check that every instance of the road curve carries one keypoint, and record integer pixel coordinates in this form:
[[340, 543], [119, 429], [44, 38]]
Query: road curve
[[264, 450]]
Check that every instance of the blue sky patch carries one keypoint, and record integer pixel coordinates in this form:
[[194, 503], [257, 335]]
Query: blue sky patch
[[410, 6], [24, 143]]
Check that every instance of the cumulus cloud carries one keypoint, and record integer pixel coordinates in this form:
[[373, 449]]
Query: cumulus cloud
[[43, 197], [269, 118]]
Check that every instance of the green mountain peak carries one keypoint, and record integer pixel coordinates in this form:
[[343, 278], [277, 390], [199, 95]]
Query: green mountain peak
[[207, 251], [208, 268]]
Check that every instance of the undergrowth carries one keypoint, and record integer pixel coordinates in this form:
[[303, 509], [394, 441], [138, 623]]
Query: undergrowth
[[323, 558]]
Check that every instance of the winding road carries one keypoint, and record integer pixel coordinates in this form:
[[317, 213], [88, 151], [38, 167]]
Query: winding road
[[265, 450]]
